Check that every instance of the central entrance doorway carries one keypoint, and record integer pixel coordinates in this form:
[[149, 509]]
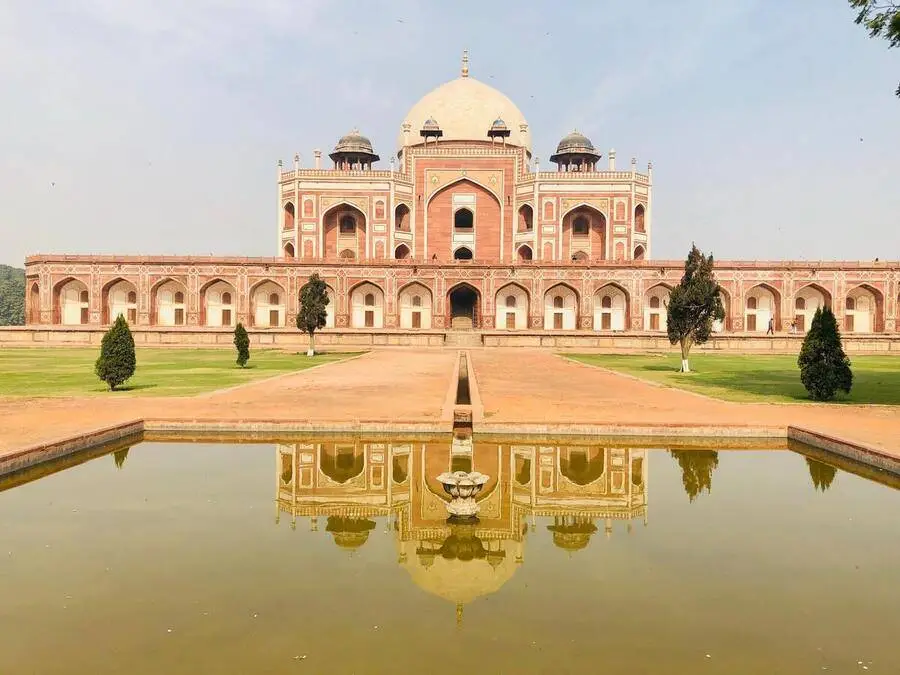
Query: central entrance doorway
[[464, 307]]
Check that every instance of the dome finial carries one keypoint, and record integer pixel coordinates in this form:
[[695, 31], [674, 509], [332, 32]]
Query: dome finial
[[465, 63]]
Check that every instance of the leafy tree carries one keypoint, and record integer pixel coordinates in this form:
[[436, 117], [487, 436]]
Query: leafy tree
[[696, 470], [824, 367], [313, 309], [12, 296], [116, 362], [242, 343], [694, 304], [119, 457], [822, 474], [882, 19]]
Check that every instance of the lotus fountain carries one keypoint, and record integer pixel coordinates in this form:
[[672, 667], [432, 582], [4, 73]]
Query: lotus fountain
[[462, 487]]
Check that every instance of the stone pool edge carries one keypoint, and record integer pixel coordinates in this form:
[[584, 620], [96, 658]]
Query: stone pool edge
[[43, 452]]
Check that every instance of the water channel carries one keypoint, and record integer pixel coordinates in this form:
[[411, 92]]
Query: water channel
[[335, 555]]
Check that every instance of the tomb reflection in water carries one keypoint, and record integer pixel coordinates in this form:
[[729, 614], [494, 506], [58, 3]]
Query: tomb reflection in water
[[349, 484]]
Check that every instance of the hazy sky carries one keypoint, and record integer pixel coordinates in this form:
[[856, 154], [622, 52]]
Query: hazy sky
[[154, 126]]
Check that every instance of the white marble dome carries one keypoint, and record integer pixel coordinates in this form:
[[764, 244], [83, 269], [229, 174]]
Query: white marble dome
[[465, 109]]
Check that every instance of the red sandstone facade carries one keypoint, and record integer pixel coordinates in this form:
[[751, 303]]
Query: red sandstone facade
[[463, 231]]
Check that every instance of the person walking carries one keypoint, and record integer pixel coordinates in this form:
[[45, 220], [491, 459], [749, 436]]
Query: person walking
[[771, 328]]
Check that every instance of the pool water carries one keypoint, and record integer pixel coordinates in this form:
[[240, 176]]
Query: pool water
[[335, 556]]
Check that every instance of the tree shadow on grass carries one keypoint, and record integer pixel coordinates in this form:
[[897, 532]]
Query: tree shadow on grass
[[136, 387]]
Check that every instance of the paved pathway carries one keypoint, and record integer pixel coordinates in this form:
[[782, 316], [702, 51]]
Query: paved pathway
[[539, 386], [515, 385], [379, 386]]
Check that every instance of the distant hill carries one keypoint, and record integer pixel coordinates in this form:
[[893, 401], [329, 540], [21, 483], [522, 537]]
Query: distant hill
[[12, 296]]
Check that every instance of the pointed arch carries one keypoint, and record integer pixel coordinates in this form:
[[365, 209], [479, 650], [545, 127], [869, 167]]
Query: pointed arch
[[524, 253], [767, 308], [526, 218], [401, 252], [338, 238], [655, 311], [415, 301], [34, 303], [867, 315], [585, 233], [168, 302], [463, 253], [462, 179], [366, 305], [639, 252], [639, 213], [807, 299], [268, 304], [119, 296], [402, 217], [218, 303], [511, 304], [612, 307], [71, 301], [464, 304], [289, 214], [724, 324], [561, 303], [289, 250]]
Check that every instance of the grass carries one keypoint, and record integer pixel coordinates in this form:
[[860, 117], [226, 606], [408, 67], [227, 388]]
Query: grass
[[160, 372], [751, 377]]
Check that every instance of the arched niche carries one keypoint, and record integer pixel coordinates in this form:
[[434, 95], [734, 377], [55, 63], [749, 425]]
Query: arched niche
[[863, 310], [268, 305], [761, 305], [560, 308], [585, 230], [806, 301], [611, 308], [168, 303], [655, 310], [218, 304], [367, 306], [119, 298], [71, 300], [511, 305], [526, 218], [344, 232], [415, 303]]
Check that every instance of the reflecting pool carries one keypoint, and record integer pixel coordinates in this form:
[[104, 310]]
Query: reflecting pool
[[335, 555]]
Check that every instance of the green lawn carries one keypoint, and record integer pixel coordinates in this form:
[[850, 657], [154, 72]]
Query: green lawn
[[749, 377], [160, 372]]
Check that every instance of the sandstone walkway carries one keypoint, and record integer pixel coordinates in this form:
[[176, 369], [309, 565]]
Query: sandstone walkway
[[519, 386], [516, 386]]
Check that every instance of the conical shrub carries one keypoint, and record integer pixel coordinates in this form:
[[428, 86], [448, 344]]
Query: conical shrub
[[117, 361], [824, 367]]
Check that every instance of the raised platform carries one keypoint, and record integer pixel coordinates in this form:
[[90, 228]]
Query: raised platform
[[284, 338]]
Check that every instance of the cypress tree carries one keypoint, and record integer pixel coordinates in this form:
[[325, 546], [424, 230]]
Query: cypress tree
[[117, 361], [824, 367], [313, 309], [693, 305], [242, 343]]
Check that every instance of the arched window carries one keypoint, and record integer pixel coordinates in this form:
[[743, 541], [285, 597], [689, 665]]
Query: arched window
[[132, 297], [288, 250], [800, 303], [226, 298], [463, 219], [401, 252], [83, 297], [417, 301], [581, 226], [347, 254], [639, 218], [525, 252], [401, 217], [347, 225], [638, 252], [511, 301], [369, 300], [273, 298], [751, 302], [606, 302], [289, 216], [850, 304], [557, 302], [179, 297], [580, 256], [462, 253], [654, 302]]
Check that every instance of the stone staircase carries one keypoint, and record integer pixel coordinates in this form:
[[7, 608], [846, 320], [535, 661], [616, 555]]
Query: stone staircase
[[463, 339]]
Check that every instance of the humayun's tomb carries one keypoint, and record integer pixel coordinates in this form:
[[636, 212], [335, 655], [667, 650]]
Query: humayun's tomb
[[462, 240]]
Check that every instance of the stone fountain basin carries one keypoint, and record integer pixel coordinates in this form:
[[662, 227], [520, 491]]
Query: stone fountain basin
[[461, 484]]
